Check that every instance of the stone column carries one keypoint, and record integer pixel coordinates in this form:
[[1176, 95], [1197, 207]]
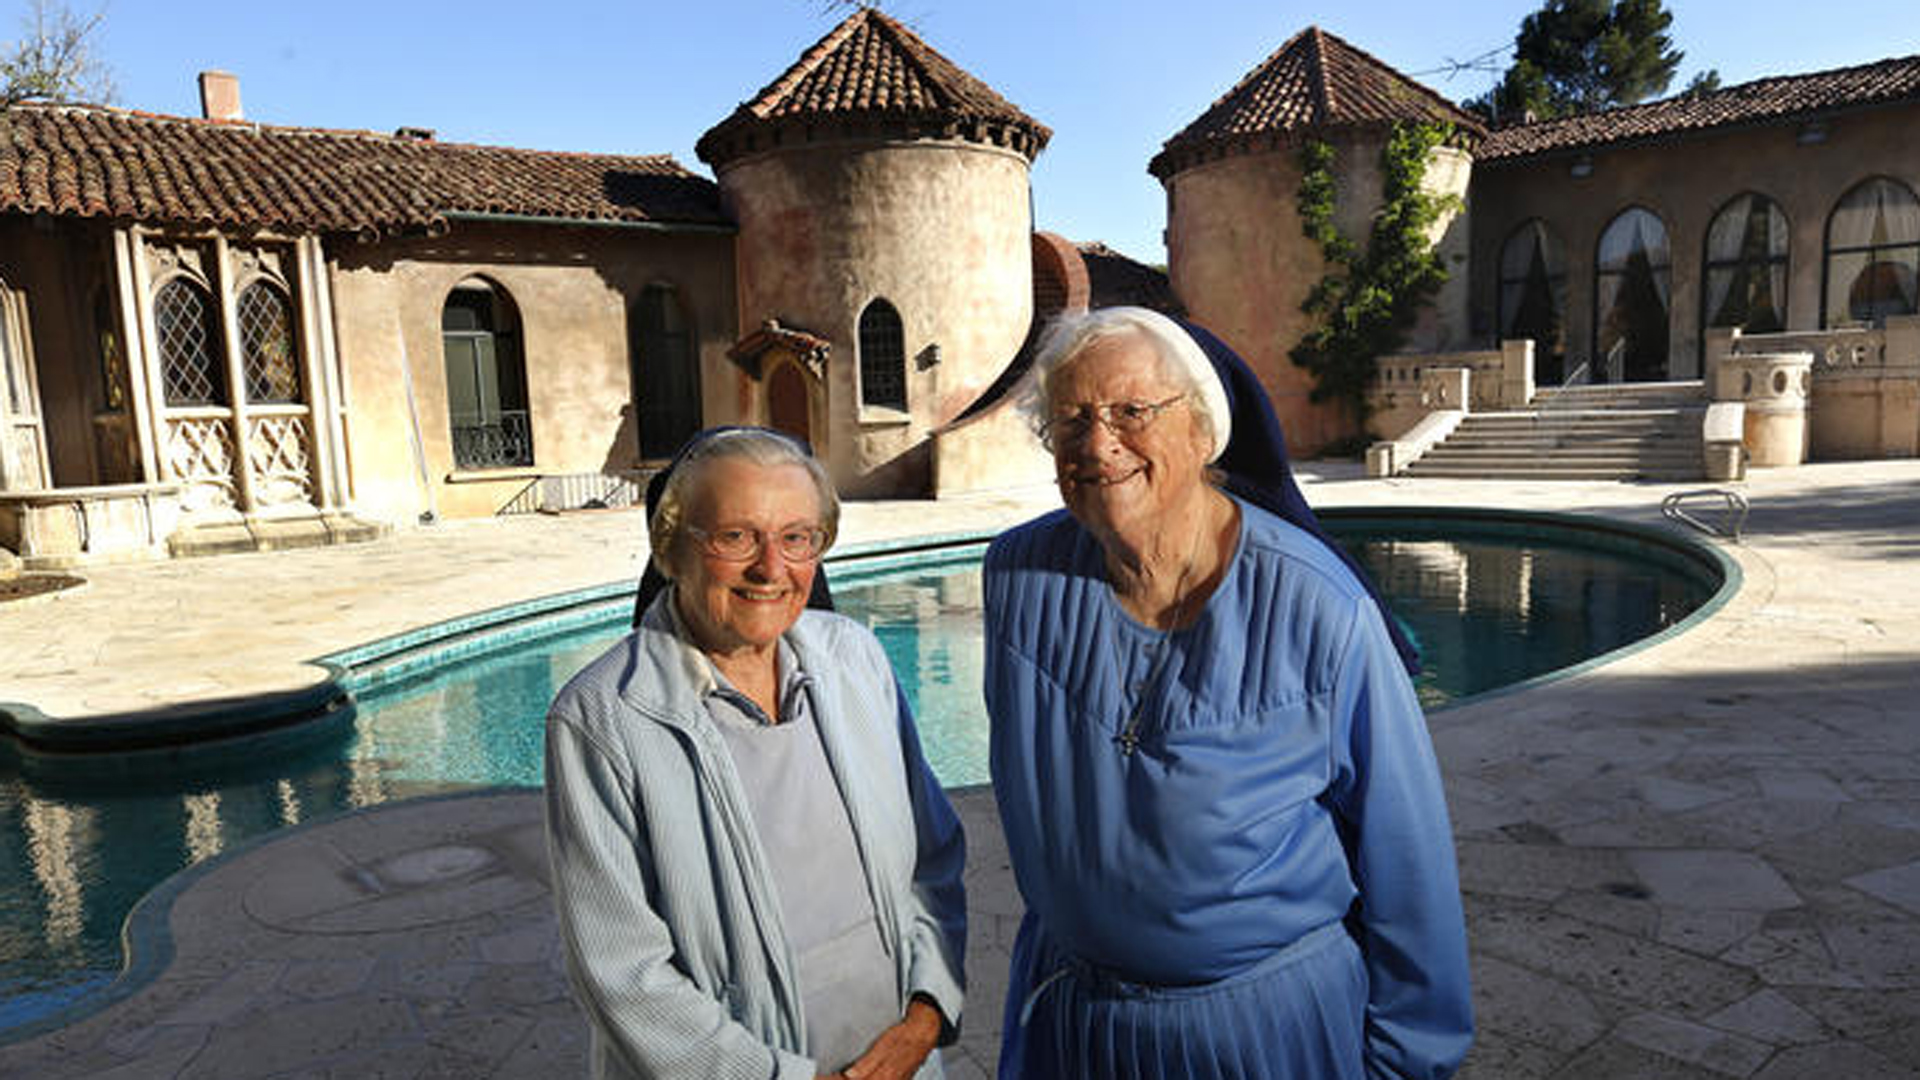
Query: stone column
[[236, 377]]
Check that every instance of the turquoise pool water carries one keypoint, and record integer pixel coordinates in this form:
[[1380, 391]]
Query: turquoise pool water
[[1491, 603]]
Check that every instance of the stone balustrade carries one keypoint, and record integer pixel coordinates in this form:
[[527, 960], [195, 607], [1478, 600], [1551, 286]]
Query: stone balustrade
[[1862, 385], [1403, 391]]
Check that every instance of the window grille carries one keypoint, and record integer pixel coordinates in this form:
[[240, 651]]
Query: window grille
[[190, 355], [266, 345], [883, 357]]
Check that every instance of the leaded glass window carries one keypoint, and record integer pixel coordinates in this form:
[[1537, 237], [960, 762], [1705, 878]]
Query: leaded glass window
[[191, 360], [1746, 267], [883, 357], [1533, 295], [1633, 281], [266, 344], [1873, 254]]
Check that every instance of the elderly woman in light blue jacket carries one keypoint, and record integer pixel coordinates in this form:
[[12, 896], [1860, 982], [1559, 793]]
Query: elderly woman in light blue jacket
[[757, 875]]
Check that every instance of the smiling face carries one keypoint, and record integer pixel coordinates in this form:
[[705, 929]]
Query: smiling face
[[1124, 484], [745, 606]]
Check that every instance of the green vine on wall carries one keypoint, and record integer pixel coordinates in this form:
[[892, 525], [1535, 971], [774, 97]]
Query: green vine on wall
[[1369, 299]]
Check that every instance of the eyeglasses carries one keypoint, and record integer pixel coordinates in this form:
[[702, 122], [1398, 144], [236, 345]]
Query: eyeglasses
[[1120, 417], [796, 543]]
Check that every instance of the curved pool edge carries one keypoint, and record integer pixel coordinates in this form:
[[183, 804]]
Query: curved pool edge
[[1708, 557], [45, 743], [147, 936]]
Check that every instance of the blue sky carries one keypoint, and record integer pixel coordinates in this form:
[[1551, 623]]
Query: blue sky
[[1113, 80]]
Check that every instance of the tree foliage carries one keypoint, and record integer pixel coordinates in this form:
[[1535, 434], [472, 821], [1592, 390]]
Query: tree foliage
[[1369, 299], [1575, 56], [55, 58]]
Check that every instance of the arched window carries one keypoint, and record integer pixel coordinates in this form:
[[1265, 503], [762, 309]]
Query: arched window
[[1533, 295], [486, 378], [1633, 278], [1873, 254], [883, 357], [267, 351], [1746, 267], [664, 370], [192, 363]]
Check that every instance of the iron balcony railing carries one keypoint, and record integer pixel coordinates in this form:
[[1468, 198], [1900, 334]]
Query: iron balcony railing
[[502, 441]]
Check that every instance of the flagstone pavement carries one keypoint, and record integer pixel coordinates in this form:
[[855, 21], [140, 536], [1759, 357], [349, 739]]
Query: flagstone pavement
[[1701, 860]]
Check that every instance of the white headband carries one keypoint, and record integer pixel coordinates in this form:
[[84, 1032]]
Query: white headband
[[1193, 360]]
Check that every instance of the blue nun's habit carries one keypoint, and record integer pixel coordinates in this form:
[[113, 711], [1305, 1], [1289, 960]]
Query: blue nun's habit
[[1255, 880]]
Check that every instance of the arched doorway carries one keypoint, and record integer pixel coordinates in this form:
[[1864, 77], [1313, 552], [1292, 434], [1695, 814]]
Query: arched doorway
[[787, 406]]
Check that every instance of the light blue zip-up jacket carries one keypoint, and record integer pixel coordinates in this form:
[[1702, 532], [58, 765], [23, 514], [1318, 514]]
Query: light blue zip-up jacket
[[671, 922]]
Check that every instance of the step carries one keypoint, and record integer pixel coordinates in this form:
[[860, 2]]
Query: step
[[1544, 472], [1567, 457], [1598, 416]]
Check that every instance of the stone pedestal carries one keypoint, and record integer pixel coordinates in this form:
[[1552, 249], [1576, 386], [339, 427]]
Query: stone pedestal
[[1774, 387]]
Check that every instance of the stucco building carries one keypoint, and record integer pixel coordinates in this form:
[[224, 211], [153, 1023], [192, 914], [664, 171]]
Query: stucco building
[[220, 334], [1618, 241]]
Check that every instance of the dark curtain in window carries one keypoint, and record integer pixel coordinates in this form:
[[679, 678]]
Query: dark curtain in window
[[1533, 287], [665, 372], [1746, 264], [1873, 254], [1633, 282]]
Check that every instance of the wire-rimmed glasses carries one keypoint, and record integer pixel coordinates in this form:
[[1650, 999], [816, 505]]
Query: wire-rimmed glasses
[[738, 543], [1123, 418]]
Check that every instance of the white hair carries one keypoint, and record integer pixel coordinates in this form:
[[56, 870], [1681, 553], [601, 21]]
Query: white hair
[[1180, 358], [761, 446]]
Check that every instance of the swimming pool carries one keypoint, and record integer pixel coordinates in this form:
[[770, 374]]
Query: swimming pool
[[1496, 600]]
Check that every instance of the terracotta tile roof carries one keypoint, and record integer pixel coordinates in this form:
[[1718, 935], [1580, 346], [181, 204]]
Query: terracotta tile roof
[[1314, 83], [86, 161], [870, 71], [1761, 101], [1114, 279], [811, 348]]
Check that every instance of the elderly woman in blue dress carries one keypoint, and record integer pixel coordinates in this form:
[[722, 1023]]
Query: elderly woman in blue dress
[[757, 875], [1219, 795]]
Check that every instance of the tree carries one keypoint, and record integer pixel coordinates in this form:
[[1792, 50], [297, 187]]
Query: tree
[[55, 59], [1575, 56]]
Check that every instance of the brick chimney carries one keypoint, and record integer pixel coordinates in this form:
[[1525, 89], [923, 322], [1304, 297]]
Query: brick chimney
[[220, 95]]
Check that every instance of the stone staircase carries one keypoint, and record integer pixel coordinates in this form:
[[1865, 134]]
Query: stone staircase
[[1627, 431]]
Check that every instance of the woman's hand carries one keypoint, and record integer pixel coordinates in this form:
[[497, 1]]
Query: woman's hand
[[898, 1052]]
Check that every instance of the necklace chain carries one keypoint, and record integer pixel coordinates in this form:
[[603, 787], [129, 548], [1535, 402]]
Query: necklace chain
[[1129, 738]]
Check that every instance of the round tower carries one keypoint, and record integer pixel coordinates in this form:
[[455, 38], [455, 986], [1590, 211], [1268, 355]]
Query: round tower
[[1236, 254], [882, 199]]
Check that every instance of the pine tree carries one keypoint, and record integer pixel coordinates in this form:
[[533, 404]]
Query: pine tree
[[1574, 56]]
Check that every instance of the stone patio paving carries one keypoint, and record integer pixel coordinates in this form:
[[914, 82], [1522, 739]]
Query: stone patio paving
[[1702, 860]]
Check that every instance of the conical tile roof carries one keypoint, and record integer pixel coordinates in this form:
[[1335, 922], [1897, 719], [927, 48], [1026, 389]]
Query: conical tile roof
[[1314, 83], [871, 75]]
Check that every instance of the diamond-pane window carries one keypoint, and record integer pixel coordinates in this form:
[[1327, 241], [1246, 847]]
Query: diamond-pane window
[[189, 344], [266, 344]]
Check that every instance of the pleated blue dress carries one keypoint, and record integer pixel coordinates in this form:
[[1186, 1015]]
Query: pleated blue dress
[[1231, 840]]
